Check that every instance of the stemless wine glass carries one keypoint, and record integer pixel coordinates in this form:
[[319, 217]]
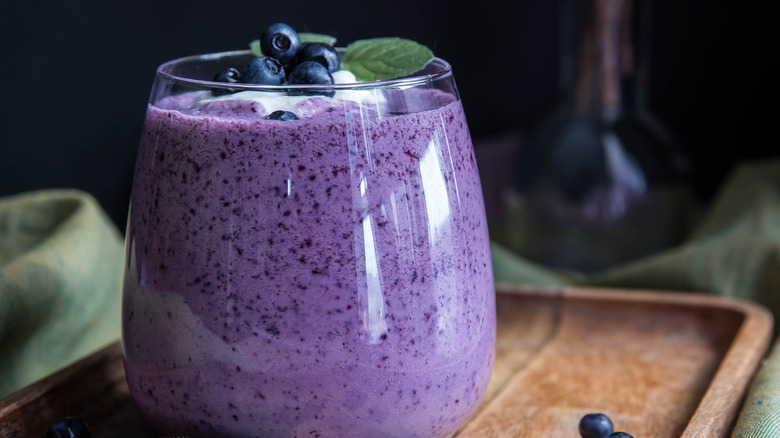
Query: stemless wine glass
[[327, 276]]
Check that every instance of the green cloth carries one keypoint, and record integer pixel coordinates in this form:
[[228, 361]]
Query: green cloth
[[734, 251], [760, 417], [60, 283]]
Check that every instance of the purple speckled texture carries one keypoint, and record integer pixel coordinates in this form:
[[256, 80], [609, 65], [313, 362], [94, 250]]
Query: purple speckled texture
[[325, 277]]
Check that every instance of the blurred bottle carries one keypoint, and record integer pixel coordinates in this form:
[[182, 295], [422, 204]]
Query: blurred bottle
[[603, 181]]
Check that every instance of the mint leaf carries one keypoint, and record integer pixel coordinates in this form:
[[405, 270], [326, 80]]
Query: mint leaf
[[254, 46], [308, 37], [385, 58]]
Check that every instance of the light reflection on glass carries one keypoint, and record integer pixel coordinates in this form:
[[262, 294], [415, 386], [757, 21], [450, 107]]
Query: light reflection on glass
[[372, 305], [628, 180], [624, 170], [397, 226], [411, 219], [453, 173], [437, 202]]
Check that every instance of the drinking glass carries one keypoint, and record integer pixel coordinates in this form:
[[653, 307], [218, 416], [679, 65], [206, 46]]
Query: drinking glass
[[327, 276]]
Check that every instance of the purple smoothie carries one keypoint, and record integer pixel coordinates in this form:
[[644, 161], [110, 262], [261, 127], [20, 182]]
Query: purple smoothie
[[327, 277]]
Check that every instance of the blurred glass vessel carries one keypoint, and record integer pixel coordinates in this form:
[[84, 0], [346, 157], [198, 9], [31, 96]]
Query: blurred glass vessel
[[327, 276], [603, 181]]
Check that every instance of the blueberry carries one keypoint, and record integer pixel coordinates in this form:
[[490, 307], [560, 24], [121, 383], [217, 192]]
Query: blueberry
[[280, 41], [68, 427], [229, 75], [310, 72], [264, 70], [620, 435], [323, 53], [281, 115], [595, 426]]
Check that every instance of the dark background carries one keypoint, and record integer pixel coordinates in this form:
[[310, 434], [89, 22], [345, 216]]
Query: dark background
[[76, 75]]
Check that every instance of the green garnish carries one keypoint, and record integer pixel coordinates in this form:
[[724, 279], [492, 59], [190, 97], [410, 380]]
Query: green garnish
[[254, 46], [376, 59], [308, 37]]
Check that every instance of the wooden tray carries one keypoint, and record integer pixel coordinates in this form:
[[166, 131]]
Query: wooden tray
[[659, 364]]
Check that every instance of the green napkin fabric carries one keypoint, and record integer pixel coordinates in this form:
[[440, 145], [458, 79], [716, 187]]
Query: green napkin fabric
[[60, 283], [760, 417], [734, 251]]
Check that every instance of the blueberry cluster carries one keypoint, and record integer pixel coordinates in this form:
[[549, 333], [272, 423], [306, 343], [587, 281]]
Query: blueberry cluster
[[599, 426], [286, 61]]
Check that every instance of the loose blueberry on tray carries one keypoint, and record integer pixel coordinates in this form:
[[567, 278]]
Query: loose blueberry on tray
[[595, 425], [68, 427]]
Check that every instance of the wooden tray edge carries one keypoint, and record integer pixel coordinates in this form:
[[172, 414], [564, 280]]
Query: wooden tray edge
[[750, 309], [720, 405]]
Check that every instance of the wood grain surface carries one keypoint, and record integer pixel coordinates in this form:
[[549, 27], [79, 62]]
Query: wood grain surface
[[659, 364]]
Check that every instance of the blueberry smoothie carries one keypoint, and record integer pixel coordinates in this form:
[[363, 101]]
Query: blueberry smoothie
[[327, 275]]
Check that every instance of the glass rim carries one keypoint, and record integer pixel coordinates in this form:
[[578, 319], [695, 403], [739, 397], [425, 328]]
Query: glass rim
[[444, 70]]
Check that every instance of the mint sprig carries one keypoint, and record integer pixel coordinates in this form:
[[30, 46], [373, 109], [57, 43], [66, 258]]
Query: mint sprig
[[254, 46], [308, 37], [377, 59]]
